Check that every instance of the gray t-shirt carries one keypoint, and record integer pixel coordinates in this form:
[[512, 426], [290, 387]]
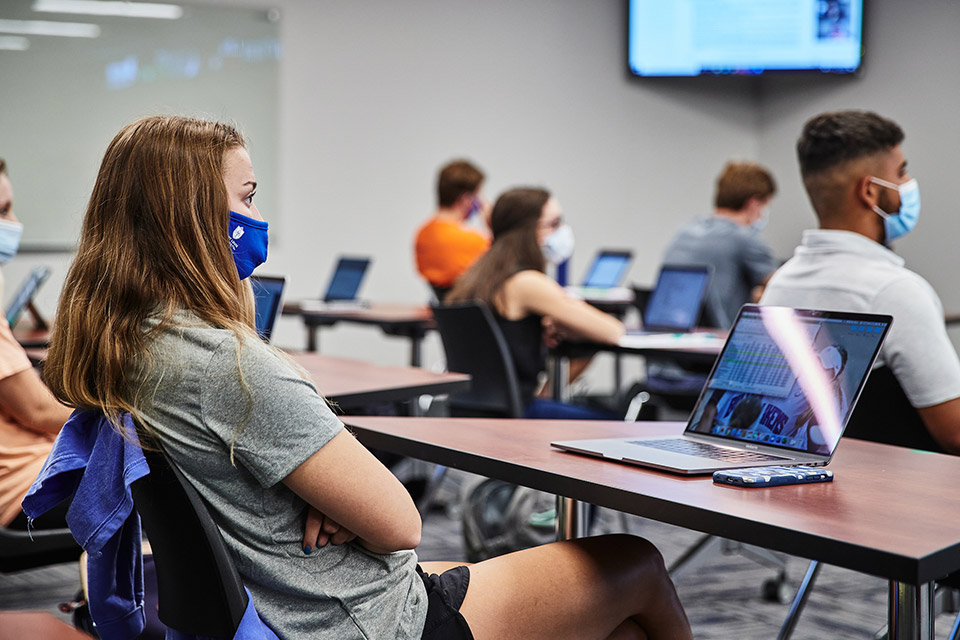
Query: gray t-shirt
[[740, 261], [196, 402]]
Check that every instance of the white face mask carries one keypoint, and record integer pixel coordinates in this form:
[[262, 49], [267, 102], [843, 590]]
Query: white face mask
[[558, 247], [761, 223]]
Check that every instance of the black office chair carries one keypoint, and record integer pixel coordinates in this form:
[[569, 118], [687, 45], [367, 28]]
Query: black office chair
[[52, 546], [440, 292], [199, 589], [475, 345], [884, 414]]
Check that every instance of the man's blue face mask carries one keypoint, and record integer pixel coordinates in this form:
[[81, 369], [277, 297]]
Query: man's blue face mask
[[248, 241], [475, 208], [901, 222]]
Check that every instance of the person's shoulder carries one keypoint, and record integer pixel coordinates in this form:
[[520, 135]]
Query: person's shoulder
[[530, 282], [907, 288]]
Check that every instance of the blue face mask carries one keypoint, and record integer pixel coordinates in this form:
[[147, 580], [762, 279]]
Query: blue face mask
[[903, 221], [10, 233], [475, 208], [248, 240]]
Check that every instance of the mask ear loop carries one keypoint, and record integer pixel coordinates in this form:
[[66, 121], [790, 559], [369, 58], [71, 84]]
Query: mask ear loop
[[883, 183]]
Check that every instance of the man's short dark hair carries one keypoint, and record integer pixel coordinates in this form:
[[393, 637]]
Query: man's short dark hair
[[3, 166], [456, 179], [740, 181], [831, 139]]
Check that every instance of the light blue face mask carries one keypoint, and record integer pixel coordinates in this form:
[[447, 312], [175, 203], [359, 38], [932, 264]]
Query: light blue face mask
[[899, 224], [10, 233]]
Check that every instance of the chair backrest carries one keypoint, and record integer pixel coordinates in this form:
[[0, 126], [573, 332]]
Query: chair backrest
[[475, 345], [884, 414], [199, 589], [440, 292], [20, 550]]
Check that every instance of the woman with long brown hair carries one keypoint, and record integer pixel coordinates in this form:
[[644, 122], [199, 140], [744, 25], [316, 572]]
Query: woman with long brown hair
[[156, 320], [530, 308]]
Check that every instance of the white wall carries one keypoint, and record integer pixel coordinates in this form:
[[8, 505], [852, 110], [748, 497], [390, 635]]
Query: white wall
[[911, 76], [375, 96]]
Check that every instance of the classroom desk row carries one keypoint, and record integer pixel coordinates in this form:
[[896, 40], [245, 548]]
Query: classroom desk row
[[353, 384], [891, 512]]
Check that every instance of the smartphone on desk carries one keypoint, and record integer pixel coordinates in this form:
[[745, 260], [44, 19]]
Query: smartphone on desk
[[772, 476]]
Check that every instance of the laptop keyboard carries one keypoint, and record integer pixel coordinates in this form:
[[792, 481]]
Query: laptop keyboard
[[694, 448]]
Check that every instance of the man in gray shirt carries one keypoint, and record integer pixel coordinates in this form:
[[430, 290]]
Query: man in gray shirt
[[729, 241], [856, 176]]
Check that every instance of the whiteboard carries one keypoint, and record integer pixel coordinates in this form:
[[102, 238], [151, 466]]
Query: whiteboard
[[65, 99]]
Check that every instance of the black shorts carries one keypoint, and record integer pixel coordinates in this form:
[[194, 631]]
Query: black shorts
[[445, 593]]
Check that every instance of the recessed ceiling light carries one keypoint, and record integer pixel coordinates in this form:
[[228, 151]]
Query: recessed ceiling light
[[49, 28], [14, 43], [111, 8]]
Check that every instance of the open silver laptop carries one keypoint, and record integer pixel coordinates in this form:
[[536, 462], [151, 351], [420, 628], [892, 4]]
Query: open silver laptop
[[780, 393]]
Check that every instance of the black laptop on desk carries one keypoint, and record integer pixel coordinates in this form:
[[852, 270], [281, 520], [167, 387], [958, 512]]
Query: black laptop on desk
[[341, 292], [268, 301], [608, 269], [605, 276], [780, 393], [676, 301]]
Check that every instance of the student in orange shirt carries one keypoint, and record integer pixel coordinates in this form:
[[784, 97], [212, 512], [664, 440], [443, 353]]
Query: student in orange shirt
[[446, 246], [30, 417]]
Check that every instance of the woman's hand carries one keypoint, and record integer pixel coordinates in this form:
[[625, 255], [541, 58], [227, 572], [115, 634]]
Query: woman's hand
[[321, 530], [552, 332]]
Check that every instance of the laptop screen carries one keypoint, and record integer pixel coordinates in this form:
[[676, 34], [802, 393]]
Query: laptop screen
[[27, 290], [789, 377], [608, 269], [267, 293], [675, 302], [346, 279]]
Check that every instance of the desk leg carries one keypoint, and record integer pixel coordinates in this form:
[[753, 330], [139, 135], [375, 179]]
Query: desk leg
[[312, 340], [561, 378], [571, 519], [617, 374], [416, 346], [910, 611]]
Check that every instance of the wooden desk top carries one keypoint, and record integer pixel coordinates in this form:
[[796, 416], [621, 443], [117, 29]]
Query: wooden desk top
[[32, 337], [374, 314], [890, 512], [353, 383], [36, 625], [667, 348]]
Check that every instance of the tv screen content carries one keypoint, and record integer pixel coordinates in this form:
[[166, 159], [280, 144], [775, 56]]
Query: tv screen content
[[745, 37]]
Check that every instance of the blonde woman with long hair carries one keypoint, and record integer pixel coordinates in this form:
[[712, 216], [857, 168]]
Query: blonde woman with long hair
[[156, 320]]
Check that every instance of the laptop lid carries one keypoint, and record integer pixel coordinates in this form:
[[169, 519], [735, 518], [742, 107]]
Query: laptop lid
[[29, 288], [608, 269], [789, 378], [346, 279], [677, 298], [268, 301], [785, 385]]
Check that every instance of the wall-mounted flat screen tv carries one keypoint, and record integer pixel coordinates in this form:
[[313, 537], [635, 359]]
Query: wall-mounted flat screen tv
[[744, 37]]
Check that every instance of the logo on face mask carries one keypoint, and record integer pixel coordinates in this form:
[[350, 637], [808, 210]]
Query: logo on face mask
[[251, 252]]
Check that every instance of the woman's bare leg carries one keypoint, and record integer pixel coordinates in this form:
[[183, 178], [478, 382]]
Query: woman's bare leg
[[603, 587]]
